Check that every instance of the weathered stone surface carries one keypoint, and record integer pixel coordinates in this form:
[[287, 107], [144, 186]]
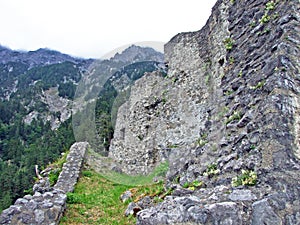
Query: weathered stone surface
[[225, 213], [263, 213], [132, 209], [47, 204], [174, 210], [70, 171], [127, 195], [241, 195], [229, 103]]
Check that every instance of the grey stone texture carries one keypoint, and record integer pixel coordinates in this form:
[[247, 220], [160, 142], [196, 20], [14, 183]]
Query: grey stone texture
[[231, 102]]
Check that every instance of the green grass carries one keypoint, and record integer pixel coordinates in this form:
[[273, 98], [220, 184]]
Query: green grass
[[129, 180], [57, 168], [95, 200]]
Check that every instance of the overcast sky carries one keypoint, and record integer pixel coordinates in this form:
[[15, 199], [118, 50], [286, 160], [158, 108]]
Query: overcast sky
[[92, 28]]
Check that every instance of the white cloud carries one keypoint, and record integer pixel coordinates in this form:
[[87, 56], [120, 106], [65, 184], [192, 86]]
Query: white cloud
[[91, 28]]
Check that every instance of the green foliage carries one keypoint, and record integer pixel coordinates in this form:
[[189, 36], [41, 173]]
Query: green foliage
[[275, 16], [173, 146], [21, 147], [229, 92], [53, 176], [259, 85], [252, 23], [222, 112], [193, 185], [200, 142], [229, 43], [87, 173], [73, 198], [24, 145], [207, 78], [137, 180], [176, 179], [161, 169], [186, 185], [9, 72], [247, 177], [270, 5], [67, 90], [235, 116], [50, 75], [197, 183], [266, 17], [211, 170], [240, 73], [157, 199], [57, 168]]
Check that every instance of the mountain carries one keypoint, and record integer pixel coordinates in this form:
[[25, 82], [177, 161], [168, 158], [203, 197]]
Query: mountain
[[37, 92], [42, 56], [136, 53]]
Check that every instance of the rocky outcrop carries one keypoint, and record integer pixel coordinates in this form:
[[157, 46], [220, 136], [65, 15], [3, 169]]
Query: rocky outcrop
[[226, 116], [136, 53], [47, 204]]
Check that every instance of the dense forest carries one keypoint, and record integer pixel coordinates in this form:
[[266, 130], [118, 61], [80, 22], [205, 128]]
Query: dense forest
[[23, 145]]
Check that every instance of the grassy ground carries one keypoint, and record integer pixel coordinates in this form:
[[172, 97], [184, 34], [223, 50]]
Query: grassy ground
[[96, 200]]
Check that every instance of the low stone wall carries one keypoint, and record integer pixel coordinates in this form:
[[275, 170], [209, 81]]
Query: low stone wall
[[47, 204]]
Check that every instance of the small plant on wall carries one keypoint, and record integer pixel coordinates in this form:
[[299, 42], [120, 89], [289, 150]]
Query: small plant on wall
[[229, 43], [248, 177]]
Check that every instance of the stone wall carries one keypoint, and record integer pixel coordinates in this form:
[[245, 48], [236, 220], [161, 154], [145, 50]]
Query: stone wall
[[167, 113], [228, 106], [47, 204]]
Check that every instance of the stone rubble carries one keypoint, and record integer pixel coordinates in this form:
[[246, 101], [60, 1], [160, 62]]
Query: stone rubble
[[47, 204]]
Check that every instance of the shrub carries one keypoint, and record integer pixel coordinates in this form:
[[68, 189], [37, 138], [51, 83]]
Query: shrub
[[53, 176], [193, 185], [248, 178]]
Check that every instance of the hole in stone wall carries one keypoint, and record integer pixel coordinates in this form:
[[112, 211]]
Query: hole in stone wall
[[221, 61]]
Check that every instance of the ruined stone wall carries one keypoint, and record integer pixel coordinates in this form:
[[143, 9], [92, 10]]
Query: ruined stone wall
[[228, 106], [167, 113], [47, 204]]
